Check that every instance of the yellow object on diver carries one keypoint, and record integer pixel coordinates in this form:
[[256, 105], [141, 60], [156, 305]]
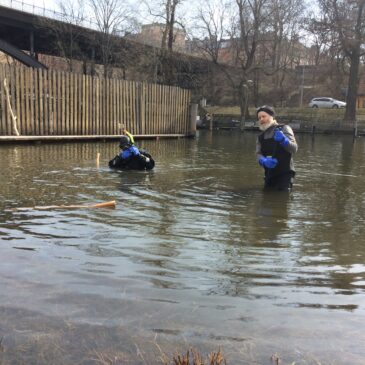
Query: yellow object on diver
[[129, 135]]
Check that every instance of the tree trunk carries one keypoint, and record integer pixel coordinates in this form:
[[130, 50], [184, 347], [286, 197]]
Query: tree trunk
[[350, 113]]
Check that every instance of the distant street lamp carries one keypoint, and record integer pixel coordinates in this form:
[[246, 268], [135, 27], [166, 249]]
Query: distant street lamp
[[246, 94]]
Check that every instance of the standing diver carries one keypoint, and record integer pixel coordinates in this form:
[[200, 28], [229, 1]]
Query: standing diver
[[130, 157], [274, 149]]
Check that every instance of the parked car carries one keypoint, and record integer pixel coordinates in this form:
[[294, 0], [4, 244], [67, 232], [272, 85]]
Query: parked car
[[326, 103]]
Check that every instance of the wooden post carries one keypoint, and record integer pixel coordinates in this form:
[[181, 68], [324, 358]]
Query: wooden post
[[193, 115], [355, 128]]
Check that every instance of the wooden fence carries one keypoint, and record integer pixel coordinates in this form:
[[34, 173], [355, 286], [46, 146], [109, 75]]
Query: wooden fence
[[49, 102]]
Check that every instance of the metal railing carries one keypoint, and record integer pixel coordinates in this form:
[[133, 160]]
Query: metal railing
[[48, 13]]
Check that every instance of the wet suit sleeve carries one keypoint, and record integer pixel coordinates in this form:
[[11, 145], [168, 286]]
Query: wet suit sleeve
[[292, 147], [258, 150]]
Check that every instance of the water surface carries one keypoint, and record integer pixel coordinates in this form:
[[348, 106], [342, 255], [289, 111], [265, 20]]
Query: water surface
[[194, 255]]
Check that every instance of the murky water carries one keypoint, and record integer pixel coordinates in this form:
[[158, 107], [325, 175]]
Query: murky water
[[194, 255]]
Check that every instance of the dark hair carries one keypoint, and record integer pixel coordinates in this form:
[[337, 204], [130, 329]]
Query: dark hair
[[267, 109]]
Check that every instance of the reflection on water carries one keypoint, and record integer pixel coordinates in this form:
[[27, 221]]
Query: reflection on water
[[195, 254]]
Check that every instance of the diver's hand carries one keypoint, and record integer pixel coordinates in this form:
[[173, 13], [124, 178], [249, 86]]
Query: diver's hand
[[280, 137], [268, 162]]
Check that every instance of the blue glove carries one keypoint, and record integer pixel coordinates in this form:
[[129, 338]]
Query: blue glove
[[280, 137], [268, 162]]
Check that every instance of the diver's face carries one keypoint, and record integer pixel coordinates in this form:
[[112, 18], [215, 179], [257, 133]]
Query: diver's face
[[265, 120]]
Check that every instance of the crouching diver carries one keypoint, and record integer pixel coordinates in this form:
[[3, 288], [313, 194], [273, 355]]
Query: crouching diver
[[274, 149], [131, 158]]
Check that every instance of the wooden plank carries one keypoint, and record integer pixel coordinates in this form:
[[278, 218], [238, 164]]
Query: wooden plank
[[32, 101], [87, 100], [19, 100], [91, 91], [79, 104], [187, 110], [54, 129], [151, 104], [41, 102], [105, 107], [26, 102], [101, 116], [183, 124], [174, 109], [76, 104], [132, 126], [67, 102], [155, 107], [119, 106], [142, 107], [110, 95], [95, 105], [58, 117], [148, 112], [165, 114], [133, 95], [50, 101], [63, 98], [124, 118], [71, 104], [4, 125], [112, 101], [57, 104], [46, 83], [171, 109], [149, 109], [22, 101], [167, 121], [160, 109], [36, 102], [83, 128], [179, 110], [111, 107], [5, 113], [96, 109]]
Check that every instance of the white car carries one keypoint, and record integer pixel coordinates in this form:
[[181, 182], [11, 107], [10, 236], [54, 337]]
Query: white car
[[326, 103]]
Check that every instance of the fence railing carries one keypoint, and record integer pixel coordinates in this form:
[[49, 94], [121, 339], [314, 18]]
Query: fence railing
[[47, 102]]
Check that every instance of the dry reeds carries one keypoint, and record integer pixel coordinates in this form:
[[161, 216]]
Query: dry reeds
[[194, 358]]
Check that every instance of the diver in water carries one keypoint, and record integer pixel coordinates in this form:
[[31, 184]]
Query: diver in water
[[130, 157]]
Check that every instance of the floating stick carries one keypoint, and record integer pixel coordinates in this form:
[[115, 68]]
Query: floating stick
[[110, 204]]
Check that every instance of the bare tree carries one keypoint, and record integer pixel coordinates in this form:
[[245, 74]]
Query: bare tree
[[285, 23], [165, 13], [111, 18], [211, 19], [247, 25], [67, 31], [343, 22]]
